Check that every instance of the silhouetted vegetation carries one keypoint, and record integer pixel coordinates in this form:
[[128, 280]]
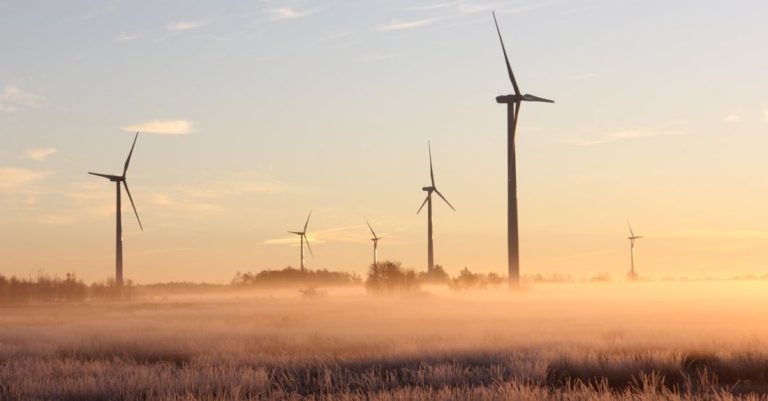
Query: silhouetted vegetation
[[391, 278], [466, 280], [291, 277], [45, 288], [437, 276]]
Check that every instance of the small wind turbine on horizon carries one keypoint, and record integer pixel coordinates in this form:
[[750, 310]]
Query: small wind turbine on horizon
[[513, 103], [303, 237], [632, 275], [375, 240], [118, 179], [428, 201]]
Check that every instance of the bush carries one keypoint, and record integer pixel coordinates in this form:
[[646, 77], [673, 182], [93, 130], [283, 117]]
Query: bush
[[391, 278], [291, 277], [438, 276], [467, 280], [42, 289]]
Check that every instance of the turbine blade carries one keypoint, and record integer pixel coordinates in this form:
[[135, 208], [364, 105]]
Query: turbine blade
[[630, 229], [431, 172], [308, 246], [128, 191], [506, 59], [296, 232], [518, 105], [532, 98], [446, 200], [422, 205], [307, 222], [104, 175], [128, 160], [371, 228]]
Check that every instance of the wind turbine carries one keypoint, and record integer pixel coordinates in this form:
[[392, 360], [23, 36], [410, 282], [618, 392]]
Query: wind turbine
[[513, 103], [428, 201], [303, 236], [117, 179], [632, 275], [375, 240]]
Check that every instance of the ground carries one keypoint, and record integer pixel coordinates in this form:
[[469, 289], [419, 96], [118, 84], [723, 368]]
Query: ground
[[570, 341]]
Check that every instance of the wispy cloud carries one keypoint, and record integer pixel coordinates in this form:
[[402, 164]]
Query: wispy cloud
[[397, 25], [12, 178], [465, 8], [370, 57], [167, 127], [732, 118], [719, 234], [631, 135], [187, 206], [13, 99], [288, 13], [434, 6], [184, 25], [126, 37], [355, 233], [39, 154], [55, 220]]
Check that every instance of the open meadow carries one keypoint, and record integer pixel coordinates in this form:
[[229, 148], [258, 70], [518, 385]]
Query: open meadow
[[576, 341]]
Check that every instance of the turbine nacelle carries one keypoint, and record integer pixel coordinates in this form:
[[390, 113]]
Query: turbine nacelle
[[113, 178], [428, 189], [521, 98]]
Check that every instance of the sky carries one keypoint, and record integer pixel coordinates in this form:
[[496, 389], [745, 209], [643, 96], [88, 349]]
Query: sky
[[253, 113]]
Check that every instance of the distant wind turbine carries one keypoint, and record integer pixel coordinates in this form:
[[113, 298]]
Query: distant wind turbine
[[428, 201], [375, 240], [513, 103], [303, 236], [632, 275], [117, 179]]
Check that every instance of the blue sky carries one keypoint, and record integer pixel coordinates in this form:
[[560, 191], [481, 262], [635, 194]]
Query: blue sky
[[264, 110]]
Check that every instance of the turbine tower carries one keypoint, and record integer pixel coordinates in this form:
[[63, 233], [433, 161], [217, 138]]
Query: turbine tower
[[428, 201], [118, 179], [632, 275], [513, 103], [303, 237], [375, 240]]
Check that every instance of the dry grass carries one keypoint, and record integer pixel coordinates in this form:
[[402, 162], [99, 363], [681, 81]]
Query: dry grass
[[642, 341]]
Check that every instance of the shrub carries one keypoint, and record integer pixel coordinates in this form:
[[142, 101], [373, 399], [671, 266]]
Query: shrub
[[391, 278], [291, 276]]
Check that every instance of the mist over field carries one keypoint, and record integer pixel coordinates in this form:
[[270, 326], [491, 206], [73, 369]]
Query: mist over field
[[641, 340]]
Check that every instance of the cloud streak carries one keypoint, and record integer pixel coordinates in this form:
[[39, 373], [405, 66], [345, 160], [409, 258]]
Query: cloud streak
[[720, 234], [184, 25], [397, 25], [732, 118], [163, 127], [13, 100], [12, 178], [355, 234], [39, 154], [288, 13], [631, 135], [126, 37]]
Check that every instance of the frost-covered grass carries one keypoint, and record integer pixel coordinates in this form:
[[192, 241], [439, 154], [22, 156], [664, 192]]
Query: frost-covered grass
[[641, 341]]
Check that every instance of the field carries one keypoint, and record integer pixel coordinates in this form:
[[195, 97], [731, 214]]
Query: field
[[577, 341]]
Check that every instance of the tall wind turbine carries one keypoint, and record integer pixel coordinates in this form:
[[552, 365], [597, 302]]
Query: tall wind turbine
[[303, 236], [117, 179], [428, 201], [375, 240], [632, 275], [513, 103]]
